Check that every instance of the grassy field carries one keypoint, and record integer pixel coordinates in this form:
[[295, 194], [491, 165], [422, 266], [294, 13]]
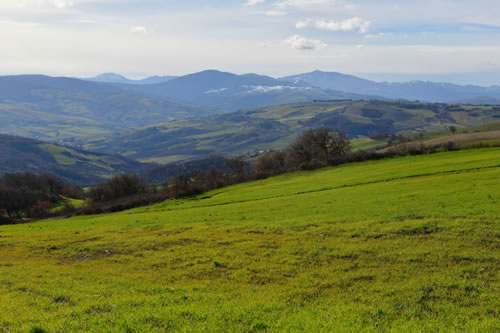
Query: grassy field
[[75, 203], [469, 137], [409, 244]]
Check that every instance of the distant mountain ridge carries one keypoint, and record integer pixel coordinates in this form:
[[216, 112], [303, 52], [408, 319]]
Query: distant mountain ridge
[[72, 110], [434, 92], [232, 92], [117, 78]]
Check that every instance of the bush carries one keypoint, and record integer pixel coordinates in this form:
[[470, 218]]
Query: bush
[[138, 200], [40, 209], [4, 220], [121, 186]]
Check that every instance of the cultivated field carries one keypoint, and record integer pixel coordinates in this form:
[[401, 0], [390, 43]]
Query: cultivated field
[[410, 244]]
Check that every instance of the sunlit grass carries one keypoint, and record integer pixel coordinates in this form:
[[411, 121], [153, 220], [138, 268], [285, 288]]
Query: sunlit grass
[[406, 245]]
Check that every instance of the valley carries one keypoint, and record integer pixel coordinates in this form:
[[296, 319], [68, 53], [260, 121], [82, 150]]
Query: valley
[[276, 126]]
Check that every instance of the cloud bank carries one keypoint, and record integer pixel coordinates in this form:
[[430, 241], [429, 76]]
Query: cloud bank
[[352, 24], [301, 43]]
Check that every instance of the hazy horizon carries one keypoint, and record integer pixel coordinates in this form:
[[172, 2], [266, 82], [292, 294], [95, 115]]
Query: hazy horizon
[[478, 79], [81, 38]]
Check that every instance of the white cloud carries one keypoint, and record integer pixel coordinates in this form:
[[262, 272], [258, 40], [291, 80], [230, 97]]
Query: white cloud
[[352, 24], [275, 13], [26, 4], [306, 4], [85, 21], [303, 24], [304, 44], [253, 2], [61, 3], [139, 30], [379, 35]]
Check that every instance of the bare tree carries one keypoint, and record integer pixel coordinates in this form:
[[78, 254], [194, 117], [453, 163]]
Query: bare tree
[[318, 147], [235, 164], [270, 164], [118, 187]]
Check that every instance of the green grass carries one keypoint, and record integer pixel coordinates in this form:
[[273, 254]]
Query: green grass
[[365, 143], [75, 203], [492, 126], [408, 244]]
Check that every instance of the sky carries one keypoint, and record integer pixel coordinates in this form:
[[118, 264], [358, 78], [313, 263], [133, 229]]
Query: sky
[[443, 40]]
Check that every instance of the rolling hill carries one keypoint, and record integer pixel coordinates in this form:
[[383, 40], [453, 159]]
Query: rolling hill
[[304, 252], [414, 90], [74, 166], [276, 126], [69, 111], [64, 109]]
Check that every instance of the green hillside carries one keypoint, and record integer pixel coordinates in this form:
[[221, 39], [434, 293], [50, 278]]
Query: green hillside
[[71, 165], [488, 134], [276, 126], [408, 244]]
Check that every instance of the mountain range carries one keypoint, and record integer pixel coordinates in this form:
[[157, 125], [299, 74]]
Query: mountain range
[[76, 111], [231, 92], [413, 90], [117, 78]]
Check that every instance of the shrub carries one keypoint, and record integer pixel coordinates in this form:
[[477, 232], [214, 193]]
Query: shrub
[[118, 187], [40, 209], [4, 220]]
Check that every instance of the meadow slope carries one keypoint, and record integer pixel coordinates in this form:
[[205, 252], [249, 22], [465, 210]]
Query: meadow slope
[[408, 244]]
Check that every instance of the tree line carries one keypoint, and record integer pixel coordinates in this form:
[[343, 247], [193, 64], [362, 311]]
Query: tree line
[[28, 195], [315, 148], [31, 196]]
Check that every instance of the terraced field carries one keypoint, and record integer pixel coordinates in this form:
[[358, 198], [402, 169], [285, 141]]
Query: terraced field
[[409, 244]]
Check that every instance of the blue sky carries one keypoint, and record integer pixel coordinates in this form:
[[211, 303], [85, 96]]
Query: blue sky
[[383, 39]]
